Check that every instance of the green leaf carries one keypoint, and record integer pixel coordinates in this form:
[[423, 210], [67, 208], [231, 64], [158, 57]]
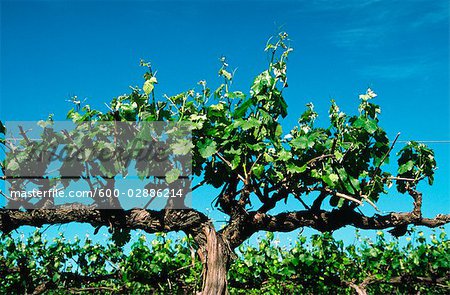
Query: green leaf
[[172, 175], [225, 74], [235, 162], [182, 147], [268, 158], [240, 111], [373, 252], [279, 130], [148, 87], [330, 179], [369, 125], [292, 168], [300, 142], [354, 182], [262, 81], [217, 107], [56, 277], [284, 155], [251, 122], [405, 167], [283, 106], [236, 94], [255, 147], [43, 124], [233, 151], [258, 170], [315, 173], [208, 148], [12, 165]]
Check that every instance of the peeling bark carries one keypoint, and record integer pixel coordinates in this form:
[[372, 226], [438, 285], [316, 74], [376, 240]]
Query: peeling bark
[[215, 256]]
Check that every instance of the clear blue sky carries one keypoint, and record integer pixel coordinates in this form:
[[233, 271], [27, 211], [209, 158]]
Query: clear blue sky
[[51, 50]]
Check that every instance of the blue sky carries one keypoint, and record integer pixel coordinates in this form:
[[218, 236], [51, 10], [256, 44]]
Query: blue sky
[[51, 50]]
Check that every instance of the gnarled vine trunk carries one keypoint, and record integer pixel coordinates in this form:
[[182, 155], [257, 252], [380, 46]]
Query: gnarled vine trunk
[[215, 256]]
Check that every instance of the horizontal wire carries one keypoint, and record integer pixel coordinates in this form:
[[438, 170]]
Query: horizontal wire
[[426, 141]]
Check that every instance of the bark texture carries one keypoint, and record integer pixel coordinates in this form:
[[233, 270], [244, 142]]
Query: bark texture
[[215, 256]]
